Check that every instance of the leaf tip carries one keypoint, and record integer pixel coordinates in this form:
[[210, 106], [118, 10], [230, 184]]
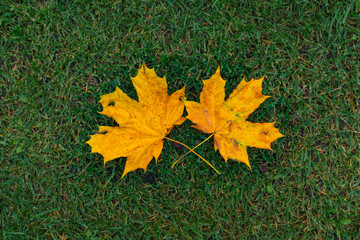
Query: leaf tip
[[218, 70], [106, 160], [248, 164]]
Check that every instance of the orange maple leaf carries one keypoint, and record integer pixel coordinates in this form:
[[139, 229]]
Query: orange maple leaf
[[226, 120], [143, 124]]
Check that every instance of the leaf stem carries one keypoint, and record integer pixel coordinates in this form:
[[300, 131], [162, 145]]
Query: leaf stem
[[192, 150]]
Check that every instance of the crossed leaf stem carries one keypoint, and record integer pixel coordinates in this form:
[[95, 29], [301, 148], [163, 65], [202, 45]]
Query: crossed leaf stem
[[192, 150]]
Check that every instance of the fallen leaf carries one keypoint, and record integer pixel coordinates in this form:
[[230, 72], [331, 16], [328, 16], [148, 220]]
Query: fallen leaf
[[263, 167], [227, 119], [178, 147], [143, 124]]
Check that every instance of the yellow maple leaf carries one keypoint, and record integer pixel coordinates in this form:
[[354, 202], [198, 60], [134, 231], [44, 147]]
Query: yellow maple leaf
[[143, 124], [226, 120]]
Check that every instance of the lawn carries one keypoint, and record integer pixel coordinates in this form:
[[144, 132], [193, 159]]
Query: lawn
[[57, 58]]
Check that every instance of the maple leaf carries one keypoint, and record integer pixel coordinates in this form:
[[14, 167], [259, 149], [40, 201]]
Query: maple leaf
[[143, 124], [226, 120]]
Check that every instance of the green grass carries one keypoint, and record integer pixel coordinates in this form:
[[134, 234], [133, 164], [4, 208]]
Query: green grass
[[57, 59]]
